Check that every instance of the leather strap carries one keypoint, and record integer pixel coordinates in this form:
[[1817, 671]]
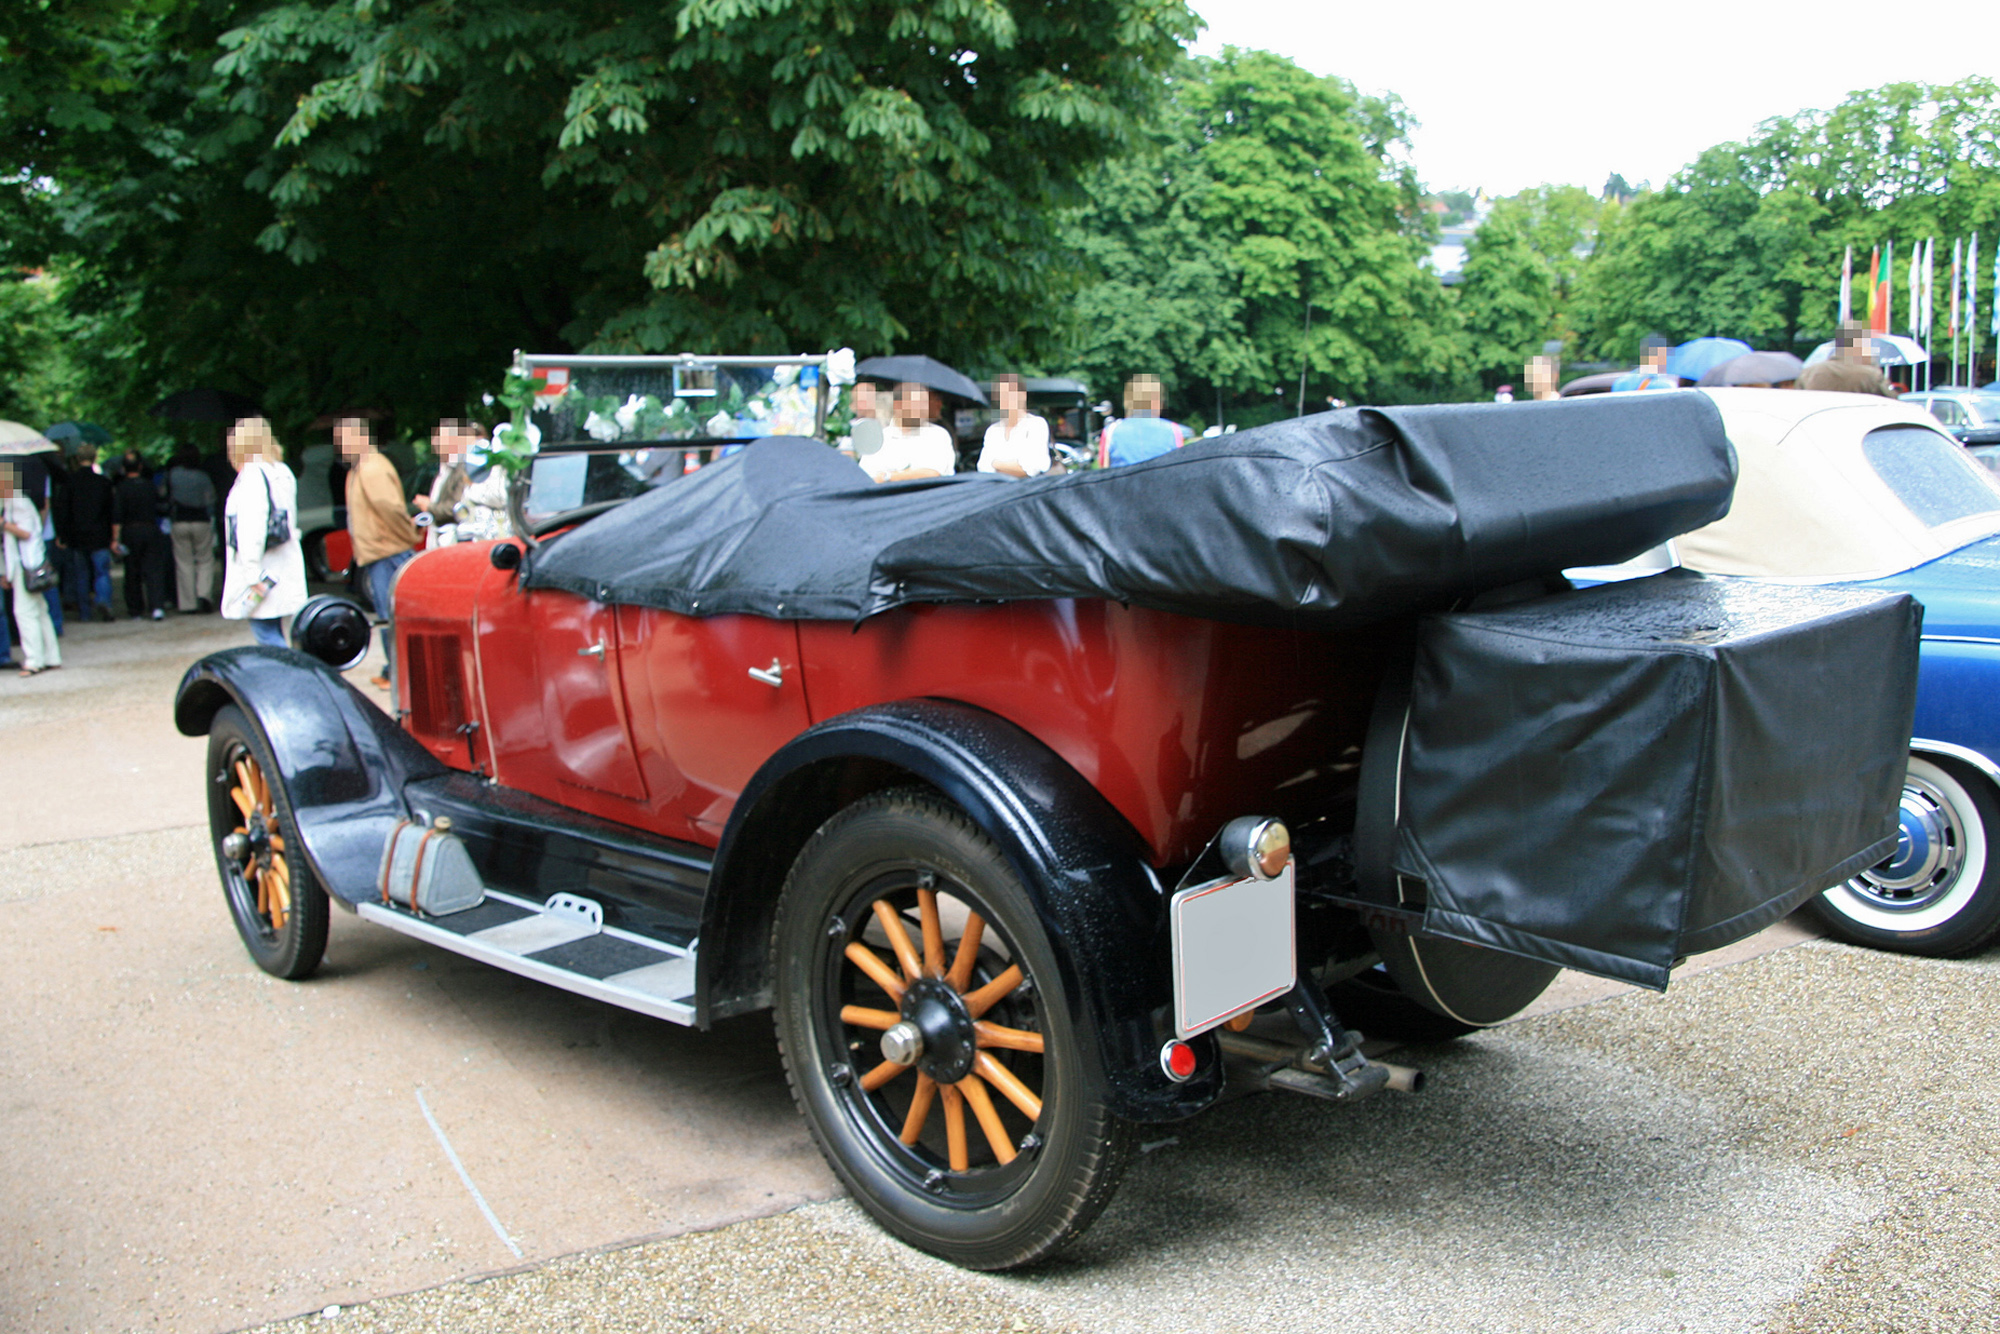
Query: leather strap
[[389, 862], [417, 871], [1379, 795]]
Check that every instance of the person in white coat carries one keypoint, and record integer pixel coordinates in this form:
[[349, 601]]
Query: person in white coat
[[262, 582], [21, 537]]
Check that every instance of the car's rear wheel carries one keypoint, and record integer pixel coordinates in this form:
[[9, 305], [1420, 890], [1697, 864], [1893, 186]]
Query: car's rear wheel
[[929, 1041], [279, 909], [1938, 894]]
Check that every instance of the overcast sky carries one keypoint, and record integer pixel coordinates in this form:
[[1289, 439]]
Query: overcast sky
[[1509, 103]]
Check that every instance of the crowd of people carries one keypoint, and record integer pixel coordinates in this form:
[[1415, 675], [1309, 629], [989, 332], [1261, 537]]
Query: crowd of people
[[1849, 369], [196, 547], [895, 436]]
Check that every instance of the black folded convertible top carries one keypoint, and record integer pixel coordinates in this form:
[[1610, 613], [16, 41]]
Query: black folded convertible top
[[1337, 519]]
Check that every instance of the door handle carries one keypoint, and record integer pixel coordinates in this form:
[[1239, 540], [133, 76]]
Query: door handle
[[774, 675], [594, 651]]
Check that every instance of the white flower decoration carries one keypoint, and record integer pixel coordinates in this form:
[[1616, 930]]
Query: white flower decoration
[[840, 366], [602, 429], [628, 416]]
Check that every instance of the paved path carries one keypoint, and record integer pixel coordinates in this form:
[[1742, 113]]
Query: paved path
[[1801, 1140]]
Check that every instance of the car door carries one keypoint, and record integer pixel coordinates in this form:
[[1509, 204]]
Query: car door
[[582, 703], [712, 698]]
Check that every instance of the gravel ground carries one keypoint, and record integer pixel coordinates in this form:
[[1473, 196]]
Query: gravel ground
[[1803, 1142]]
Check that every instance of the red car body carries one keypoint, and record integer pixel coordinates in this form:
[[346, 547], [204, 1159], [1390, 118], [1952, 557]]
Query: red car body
[[1180, 723]]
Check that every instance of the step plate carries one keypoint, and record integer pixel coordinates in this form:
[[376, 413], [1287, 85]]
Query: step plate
[[560, 948]]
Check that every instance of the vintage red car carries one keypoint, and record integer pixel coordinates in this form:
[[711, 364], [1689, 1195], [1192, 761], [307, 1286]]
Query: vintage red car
[[1021, 803]]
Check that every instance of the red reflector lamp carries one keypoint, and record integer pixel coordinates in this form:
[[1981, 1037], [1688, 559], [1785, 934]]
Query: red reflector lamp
[[1177, 1059]]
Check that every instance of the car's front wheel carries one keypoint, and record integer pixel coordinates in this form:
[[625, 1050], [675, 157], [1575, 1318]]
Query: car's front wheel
[[1938, 893], [278, 907], [929, 1040]]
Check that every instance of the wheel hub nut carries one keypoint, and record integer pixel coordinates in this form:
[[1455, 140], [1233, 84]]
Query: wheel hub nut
[[236, 847], [903, 1044]]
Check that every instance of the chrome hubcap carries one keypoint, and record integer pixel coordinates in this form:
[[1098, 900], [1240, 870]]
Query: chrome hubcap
[[1929, 855]]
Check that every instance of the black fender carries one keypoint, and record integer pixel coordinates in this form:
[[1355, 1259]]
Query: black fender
[[1102, 908], [342, 761]]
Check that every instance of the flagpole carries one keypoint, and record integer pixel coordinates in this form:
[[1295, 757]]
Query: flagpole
[[1995, 303], [1972, 313], [1930, 313], [1846, 286], [1957, 248]]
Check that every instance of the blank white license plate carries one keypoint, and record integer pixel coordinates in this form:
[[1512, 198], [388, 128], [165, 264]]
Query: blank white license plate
[[1233, 949]]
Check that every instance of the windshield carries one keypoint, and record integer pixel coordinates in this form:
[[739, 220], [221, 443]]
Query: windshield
[[646, 400], [1983, 409], [607, 428]]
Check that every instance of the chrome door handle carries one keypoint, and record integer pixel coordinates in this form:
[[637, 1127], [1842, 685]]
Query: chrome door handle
[[594, 651], [774, 675]]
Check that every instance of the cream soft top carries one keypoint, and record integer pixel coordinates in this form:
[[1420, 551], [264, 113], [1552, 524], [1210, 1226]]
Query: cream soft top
[[1811, 504]]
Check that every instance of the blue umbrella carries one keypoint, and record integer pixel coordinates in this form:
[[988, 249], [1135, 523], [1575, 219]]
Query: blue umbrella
[[1691, 361]]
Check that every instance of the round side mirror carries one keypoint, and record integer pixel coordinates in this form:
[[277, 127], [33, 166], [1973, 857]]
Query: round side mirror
[[504, 555], [332, 629]]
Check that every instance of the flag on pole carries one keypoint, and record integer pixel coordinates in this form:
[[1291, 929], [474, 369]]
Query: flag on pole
[[1951, 326], [1930, 295], [1996, 294], [1930, 287], [1972, 309], [1847, 285], [1916, 288], [1875, 274]]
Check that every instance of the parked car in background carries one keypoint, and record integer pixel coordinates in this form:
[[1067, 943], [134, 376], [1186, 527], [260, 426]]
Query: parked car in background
[[1854, 490], [1971, 415]]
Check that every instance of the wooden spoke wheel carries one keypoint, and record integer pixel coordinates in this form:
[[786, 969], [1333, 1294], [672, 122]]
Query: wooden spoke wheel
[[928, 1041], [279, 910]]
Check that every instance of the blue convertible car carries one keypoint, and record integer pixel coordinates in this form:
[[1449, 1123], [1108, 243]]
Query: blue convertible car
[[1854, 489]]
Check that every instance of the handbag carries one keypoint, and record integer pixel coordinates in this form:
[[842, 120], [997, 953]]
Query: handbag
[[42, 578], [277, 522]]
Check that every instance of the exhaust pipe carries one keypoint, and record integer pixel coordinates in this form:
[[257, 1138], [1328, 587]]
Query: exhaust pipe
[[1292, 1071]]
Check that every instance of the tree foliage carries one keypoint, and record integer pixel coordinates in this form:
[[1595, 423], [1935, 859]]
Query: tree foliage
[[376, 199], [1521, 271], [1747, 241], [1268, 190]]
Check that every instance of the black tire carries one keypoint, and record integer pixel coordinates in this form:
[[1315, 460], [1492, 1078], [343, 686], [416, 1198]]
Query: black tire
[[317, 564], [1430, 990], [279, 909], [1939, 894], [1373, 1005], [982, 1210]]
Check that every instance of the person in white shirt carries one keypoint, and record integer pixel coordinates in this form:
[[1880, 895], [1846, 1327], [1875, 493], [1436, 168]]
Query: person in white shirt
[[1017, 445], [914, 446], [262, 581], [25, 553]]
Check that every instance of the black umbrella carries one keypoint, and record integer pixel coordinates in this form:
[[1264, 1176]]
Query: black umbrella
[[1754, 368], [89, 433], [926, 371], [205, 405]]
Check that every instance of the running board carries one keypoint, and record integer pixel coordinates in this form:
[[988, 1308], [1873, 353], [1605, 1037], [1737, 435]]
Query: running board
[[564, 943]]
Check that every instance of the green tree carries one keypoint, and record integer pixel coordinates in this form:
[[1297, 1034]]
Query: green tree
[[1270, 193], [372, 200], [1521, 272], [1747, 240], [1506, 298]]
